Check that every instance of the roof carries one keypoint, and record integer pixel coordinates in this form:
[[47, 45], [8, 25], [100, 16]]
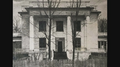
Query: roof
[[23, 13], [95, 11], [60, 8]]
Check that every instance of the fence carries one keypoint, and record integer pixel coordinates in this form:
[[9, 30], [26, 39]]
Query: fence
[[97, 62]]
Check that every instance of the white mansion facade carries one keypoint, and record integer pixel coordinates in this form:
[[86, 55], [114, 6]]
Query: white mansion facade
[[36, 29]]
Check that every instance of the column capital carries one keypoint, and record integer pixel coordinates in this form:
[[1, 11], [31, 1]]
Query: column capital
[[87, 15], [31, 15], [68, 15]]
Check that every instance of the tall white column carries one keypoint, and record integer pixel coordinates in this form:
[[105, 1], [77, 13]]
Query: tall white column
[[69, 38], [31, 32], [52, 36], [86, 31], [52, 40], [69, 33]]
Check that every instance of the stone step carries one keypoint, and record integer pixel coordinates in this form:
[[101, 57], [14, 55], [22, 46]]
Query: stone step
[[60, 55]]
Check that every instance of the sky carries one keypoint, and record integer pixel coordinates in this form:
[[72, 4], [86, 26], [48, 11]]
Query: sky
[[101, 6]]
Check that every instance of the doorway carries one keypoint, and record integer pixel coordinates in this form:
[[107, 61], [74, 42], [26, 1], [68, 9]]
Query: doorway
[[59, 46]]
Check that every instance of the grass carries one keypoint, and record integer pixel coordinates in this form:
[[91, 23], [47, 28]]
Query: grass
[[93, 62]]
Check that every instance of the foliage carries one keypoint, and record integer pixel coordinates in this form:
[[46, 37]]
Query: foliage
[[102, 25], [96, 62], [16, 24]]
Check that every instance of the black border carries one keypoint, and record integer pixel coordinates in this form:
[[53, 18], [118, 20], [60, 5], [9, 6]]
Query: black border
[[6, 33], [113, 21]]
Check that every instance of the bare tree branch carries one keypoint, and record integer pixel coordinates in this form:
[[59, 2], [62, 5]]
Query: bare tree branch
[[39, 6], [56, 7], [43, 7], [72, 3], [79, 3], [16, 24], [54, 4]]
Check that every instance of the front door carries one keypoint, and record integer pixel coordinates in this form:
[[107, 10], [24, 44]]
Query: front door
[[59, 46]]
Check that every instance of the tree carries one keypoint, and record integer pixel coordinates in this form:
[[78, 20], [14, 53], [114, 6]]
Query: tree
[[102, 25], [51, 4], [74, 4], [16, 24]]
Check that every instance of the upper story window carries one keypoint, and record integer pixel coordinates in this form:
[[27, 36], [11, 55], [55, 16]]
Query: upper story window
[[78, 42], [42, 42], [59, 25], [42, 26], [78, 25]]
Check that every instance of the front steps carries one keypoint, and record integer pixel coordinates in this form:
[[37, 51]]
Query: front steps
[[60, 55]]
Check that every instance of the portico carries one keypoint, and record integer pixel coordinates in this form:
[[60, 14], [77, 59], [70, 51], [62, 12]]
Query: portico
[[61, 30]]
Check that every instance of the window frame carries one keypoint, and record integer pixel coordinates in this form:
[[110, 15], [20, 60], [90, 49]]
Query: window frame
[[77, 29], [43, 30], [79, 45], [102, 43], [17, 44], [43, 46], [57, 26]]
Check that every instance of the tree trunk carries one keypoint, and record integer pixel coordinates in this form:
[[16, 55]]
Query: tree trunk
[[49, 43]]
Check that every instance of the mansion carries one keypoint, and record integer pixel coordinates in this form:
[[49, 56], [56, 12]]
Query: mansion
[[35, 32]]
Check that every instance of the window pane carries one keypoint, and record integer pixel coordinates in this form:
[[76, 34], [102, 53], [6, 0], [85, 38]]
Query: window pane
[[59, 25], [42, 42], [105, 45], [78, 42], [98, 44], [78, 25], [101, 42], [42, 26]]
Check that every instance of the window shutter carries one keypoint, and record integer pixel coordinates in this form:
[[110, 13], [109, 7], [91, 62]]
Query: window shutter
[[98, 44]]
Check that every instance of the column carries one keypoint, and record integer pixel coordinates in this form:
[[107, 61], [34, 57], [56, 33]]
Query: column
[[31, 32], [69, 34], [86, 31], [69, 38], [52, 40], [52, 36]]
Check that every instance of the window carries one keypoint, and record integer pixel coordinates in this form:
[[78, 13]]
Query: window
[[17, 44], [98, 44], [42, 25], [59, 25], [42, 42], [78, 42], [102, 44], [78, 25]]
